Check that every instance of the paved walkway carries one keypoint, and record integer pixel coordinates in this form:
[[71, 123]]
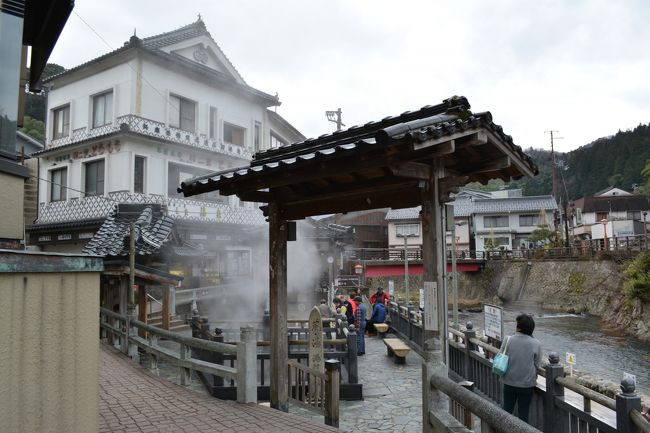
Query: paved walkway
[[392, 393], [134, 400]]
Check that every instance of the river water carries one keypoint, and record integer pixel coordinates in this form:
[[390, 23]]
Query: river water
[[603, 354]]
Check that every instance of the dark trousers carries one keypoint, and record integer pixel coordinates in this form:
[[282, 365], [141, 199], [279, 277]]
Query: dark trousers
[[521, 397]]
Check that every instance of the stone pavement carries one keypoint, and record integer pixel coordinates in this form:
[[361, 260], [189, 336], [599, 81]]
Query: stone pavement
[[392, 394], [134, 400]]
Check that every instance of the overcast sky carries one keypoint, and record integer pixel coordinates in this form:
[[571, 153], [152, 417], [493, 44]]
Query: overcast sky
[[579, 67]]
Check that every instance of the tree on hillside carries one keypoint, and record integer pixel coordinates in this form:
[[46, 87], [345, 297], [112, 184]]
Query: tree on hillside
[[34, 128], [35, 103]]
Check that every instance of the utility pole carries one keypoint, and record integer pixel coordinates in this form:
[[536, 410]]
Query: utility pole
[[554, 177], [131, 305], [335, 116]]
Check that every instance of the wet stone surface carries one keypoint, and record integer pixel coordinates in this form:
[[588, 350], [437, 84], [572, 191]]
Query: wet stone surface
[[392, 394]]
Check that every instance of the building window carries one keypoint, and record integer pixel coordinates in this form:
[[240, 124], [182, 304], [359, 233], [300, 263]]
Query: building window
[[407, 229], [578, 216], [634, 215], [233, 134], [103, 109], [601, 216], [213, 123], [495, 221], [528, 220], [95, 178], [58, 184], [277, 141], [257, 136], [502, 242], [182, 113], [61, 122], [138, 174]]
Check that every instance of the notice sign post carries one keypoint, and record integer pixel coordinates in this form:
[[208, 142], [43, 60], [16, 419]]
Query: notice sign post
[[431, 306], [391, 290], [493, 317]]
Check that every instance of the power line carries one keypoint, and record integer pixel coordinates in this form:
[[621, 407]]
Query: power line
[[162, 95]]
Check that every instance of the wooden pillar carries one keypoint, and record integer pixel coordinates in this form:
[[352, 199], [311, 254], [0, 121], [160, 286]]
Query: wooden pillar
[[278, 306], [124, 301], [435, 311], [142, 308], [165, 307]]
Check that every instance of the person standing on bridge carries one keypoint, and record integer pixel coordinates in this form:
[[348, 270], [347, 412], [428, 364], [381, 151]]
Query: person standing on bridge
[[524, 357]]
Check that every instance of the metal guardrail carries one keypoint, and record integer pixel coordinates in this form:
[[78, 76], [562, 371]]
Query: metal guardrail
[[620, 246], [123, 329], [562, 406]]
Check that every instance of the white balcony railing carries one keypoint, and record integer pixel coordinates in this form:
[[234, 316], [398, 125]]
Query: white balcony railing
[[100, 206], [152, 128]]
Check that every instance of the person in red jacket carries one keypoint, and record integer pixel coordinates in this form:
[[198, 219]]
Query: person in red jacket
[[379, 296]]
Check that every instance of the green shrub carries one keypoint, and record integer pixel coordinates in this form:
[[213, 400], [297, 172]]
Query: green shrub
[[636, 278]]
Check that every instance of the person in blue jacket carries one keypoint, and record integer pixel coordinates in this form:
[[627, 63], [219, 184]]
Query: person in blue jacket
[[378, 316]]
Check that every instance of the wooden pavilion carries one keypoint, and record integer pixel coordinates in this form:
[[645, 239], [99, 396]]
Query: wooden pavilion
[[416, 158]]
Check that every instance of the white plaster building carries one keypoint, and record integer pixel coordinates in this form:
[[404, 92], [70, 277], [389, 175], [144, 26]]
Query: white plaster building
[[505, 216], [612, 212], [131, 125]]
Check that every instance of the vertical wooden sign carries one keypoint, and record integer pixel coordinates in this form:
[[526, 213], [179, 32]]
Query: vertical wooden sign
[[431, 306]]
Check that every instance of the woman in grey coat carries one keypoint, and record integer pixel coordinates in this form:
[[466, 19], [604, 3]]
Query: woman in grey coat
[[524, 356]]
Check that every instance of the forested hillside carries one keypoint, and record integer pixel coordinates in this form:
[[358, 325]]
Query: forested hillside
[[610, 161]]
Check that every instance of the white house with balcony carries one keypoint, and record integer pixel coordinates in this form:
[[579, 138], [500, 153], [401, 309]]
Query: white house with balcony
[[131, 125], [506, 217]]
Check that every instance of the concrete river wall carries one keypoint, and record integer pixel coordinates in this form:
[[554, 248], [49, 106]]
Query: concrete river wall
[[580, 286]]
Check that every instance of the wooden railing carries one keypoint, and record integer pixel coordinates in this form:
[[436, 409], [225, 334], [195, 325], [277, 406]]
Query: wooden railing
[[315, 390], [122, 329]]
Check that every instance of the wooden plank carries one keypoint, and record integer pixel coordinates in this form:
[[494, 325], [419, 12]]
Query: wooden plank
[[413, 170], [278, 307]]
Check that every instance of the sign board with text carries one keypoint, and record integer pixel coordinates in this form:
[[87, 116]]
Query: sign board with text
[[422, 299], [391, 289], [431, 306], [493, 317], [570, 358]]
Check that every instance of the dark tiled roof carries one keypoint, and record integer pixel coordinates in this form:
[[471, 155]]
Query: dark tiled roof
[[465, 207], [620, 203], [152, 231], [430, 122]]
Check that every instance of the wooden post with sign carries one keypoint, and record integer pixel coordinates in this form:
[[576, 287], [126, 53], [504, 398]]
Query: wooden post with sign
[[278, 307], [434, 305]]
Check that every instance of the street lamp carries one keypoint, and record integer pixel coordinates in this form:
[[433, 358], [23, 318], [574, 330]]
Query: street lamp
[[604, 221], [406, 261]]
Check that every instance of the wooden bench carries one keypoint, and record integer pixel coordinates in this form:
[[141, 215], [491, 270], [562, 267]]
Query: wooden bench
[[381, 328], [397, 349]]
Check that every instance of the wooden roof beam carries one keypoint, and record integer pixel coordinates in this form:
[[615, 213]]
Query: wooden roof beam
[[407, 197], [412, 170]]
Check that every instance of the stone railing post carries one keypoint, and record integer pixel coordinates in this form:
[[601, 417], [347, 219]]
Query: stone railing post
[[469, 347], [152, 340], [217, 357], [409, 310], [332, 371], [353, 376], [627, 401], [247, 365], [553, 389]]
